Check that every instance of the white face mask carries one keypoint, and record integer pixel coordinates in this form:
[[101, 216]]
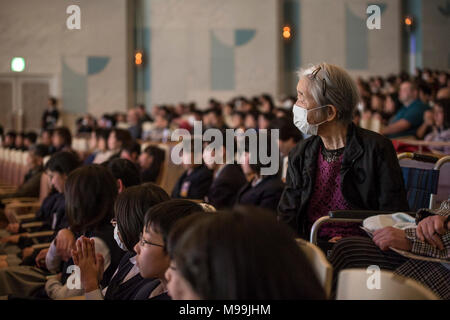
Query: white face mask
[[301, 120], [117, 238]]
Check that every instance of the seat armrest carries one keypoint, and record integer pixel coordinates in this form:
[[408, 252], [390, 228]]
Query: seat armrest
[[20, 199], [40, 234], [41, 246], [24, 217], [34, 224], [14, 205]]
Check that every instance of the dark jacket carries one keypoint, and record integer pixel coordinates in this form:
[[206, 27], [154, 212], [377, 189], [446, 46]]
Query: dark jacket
[[196, 184], [223, 190], [265, 194], [53, 212], [118, 290], [371, 178], [149, 175]]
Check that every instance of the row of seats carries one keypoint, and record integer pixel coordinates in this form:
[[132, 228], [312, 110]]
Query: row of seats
[[12, 166]]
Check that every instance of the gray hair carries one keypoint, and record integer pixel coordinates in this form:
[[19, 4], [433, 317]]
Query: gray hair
[[340, 89]]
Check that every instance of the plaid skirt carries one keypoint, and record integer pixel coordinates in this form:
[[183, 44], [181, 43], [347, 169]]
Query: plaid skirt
[[434, 275]]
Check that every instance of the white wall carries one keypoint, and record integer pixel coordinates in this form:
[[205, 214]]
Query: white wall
[[36, 30], [184, 65]]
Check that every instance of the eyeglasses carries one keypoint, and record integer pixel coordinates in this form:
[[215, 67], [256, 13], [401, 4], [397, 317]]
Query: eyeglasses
[[143, 242], [313, 75]]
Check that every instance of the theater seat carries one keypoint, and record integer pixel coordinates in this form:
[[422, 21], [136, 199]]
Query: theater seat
[[359, 284], [320, 264]]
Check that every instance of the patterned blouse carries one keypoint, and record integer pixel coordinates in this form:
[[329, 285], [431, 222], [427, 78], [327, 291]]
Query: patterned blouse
[[327, 196]]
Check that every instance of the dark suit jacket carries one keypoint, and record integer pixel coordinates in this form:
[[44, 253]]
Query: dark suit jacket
[[223, 191], [198, 183], [265, 194]]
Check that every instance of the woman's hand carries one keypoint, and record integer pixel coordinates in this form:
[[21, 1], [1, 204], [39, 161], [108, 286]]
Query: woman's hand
[[65, 242], [26, 252], [13, 227], [391, 237], [91, 265], [430, 229], [40, 258], [335, 239]]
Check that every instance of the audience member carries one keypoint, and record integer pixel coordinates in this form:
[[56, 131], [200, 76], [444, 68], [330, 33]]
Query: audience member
[[341, 166], [130, 208], [227, 177], [409, 118], [205, 249], [51, 115], [194, 183], [151, 250], [151, 162], [131, 151], [263, 190]]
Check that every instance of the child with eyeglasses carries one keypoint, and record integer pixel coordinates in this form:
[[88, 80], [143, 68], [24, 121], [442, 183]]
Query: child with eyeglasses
[[130, 208]]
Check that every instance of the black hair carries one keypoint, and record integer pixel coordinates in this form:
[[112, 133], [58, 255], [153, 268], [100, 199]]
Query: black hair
[[163, 216], [102, 133], [90, 192], [269, 99], [287, 129], [63, 162], [48, 130], [53, 101], [125, 170], [132, 147], [159, 156], [269, 116], [109, 118], [253, 113], [445, 105], [32, 136], [39, 150], [122, 135], [65, 134], [286, 112], [130, 208], [425, 88], [216, 111], [397, 103], [236, 244], [12, 134]]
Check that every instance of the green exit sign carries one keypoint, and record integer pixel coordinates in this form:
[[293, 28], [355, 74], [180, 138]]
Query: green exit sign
[[17, 64]]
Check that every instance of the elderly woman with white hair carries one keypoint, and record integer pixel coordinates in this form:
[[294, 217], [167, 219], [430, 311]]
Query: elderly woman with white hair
[[340, 166]]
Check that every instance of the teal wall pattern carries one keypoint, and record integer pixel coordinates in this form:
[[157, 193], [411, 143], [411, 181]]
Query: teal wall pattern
[[74, 84], [357, 42], [223, 58]]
